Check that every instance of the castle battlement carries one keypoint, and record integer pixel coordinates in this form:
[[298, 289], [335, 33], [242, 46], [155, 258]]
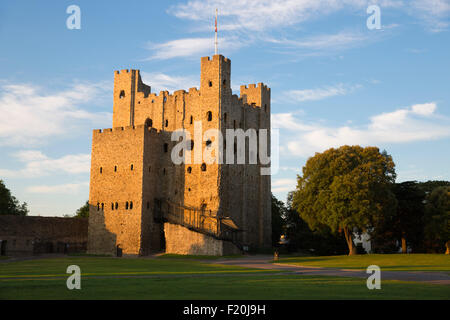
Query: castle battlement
[[216, 57], [125, 129], [124, 71]]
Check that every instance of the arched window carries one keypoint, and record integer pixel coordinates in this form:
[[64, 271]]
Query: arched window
[[103, 206], [117, 206], [101, 170], [209, 115], [192, 120], [203, 166], [126, 205], [98, 206], [210, 83], [122, 94], [115, 168], [131, 168], [149, 122], [131, 205], [167, 123], [112, 206], [189, 169]]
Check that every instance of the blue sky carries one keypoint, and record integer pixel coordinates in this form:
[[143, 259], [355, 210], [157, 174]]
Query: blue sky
[[333, 80]]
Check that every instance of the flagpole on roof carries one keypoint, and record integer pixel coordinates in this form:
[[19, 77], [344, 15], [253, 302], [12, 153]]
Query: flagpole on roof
[[216, 44]]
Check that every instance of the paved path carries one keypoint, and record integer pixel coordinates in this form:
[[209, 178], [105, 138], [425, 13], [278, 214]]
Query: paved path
[[264, 262]]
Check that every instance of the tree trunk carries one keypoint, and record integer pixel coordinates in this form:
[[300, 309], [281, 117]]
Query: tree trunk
[[350, 244], [404, 246], [447, 245]]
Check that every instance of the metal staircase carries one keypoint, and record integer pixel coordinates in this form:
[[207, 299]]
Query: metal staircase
[[199, 220]]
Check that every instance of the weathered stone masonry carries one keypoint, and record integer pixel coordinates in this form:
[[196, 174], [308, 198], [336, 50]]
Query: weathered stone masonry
[[131, 167]]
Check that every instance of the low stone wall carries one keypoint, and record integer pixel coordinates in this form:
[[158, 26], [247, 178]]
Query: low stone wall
[[181, 240], [28, 235]]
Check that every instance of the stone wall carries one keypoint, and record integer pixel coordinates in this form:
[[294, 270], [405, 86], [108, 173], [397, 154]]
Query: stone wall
[[29, 235], [181, 240]]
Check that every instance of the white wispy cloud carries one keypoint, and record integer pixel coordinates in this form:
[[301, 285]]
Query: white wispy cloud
[[29, 116], [69, 188], [283, 185], [260, 15], [190, 47], [161, 81], [339, 40], [256, 20], [37, 164], [434, 13], [320, 93], [415, 123]]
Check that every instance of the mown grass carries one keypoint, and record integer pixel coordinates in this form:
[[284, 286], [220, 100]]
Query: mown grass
[[273, 287], [104, 266], [174, 278], [392, 262]]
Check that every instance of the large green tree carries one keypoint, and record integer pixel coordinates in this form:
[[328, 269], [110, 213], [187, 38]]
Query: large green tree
[[407, 223], [437, 218], [346, 189], [9, 204], [301, 238], [429, 186]]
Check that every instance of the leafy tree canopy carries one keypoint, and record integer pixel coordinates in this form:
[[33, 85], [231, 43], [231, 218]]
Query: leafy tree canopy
[[347, 189], [83, 212], [437, 217], [9, 204]]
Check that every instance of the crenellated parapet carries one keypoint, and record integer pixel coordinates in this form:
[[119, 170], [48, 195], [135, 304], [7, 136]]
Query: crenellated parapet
[[258, 95], [126, 129]]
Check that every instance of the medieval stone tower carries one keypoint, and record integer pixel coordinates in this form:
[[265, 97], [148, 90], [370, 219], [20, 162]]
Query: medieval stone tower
[[143, 202]]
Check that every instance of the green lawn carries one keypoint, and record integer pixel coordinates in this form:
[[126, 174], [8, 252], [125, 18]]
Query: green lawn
[[168, 278], [105, 266], [393, 262]]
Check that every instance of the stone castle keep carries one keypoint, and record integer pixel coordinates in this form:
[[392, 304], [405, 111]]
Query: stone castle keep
[[141, 202]]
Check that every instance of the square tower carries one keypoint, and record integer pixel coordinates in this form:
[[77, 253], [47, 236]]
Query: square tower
[[133, 172]]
